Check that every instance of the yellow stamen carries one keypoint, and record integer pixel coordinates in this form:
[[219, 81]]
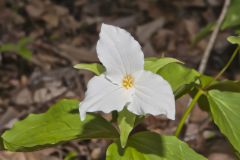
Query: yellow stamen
[[127, 81]]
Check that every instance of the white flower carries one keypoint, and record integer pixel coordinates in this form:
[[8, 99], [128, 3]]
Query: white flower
[[125, 82]]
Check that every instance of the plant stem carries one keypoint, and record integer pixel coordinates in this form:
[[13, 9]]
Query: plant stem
[[228, 63], [187, 112], [200, 92], [225, 67], [213, 37]]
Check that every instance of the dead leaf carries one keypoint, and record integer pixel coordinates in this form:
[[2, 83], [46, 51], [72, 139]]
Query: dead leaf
[[77, 54], [125, 22], [50, 91], [148, 50], [191, 3], [96, 153], [198, 115], [10, 114], [23, 97], [145, 31], [60, 10], [34, 11], [51, 19], [220, 156]]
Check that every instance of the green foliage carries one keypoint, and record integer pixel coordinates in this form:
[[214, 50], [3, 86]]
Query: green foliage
[[154, 64], [62, 123], [151, 64], [202, 82], [59, 124], [25, 53], [8, 47], [225, 112], [126, 122], [152, 146], [1, 144], [234, 40], [19, 48], [93, 67], [226, 85], [181, 81], [181, 78], [237, 31], [232, 18], [71, 156]]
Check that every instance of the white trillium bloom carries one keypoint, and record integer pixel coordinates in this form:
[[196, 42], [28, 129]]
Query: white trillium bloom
[[125, 82]]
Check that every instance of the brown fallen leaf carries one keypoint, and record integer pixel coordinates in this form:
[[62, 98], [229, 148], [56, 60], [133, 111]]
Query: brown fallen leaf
[[220, 156], [189, 3], [125, 22], [23, 97], [35, 11], [51, 19], [148, 50], [39, 155], [10, 114], [50, 91], [77, 54], [198, 115], [163, 38], [144, 32]]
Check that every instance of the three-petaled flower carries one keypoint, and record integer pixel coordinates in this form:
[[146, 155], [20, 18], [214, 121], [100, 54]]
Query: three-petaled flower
[[125, 82]]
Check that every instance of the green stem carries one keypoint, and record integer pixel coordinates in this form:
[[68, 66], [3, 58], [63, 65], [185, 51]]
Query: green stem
[[200, 92], [225, 67], [187, 112]]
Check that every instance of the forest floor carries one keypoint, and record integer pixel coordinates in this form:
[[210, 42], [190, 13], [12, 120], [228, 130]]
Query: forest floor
[[62, 33]]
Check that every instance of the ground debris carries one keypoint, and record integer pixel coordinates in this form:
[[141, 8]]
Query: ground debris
[[64, 33]]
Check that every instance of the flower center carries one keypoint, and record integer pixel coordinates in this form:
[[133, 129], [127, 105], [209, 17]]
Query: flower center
[[127, 81]]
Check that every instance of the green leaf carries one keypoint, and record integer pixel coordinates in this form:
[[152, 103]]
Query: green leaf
[[181, 81], [71, 156], [19, 48], [126, 122], [23, 42], [226, 85], [93, 67], [25, 53], [154, 64], [232, 18], [8, 47], [205, 80], [234, 40], [181, 78], [152, 146], [225, 111], [237, 31], [203, 33], [1, 144], [202, 101], [59, 124]]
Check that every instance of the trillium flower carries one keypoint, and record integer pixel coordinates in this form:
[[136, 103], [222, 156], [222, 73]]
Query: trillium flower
[[125, 82]]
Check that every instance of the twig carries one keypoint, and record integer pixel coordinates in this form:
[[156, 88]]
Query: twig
[[205, 58], [213, 37]]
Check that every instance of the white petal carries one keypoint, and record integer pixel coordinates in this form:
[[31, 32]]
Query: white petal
[[153, 95], [119, 52], [104, 96]]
